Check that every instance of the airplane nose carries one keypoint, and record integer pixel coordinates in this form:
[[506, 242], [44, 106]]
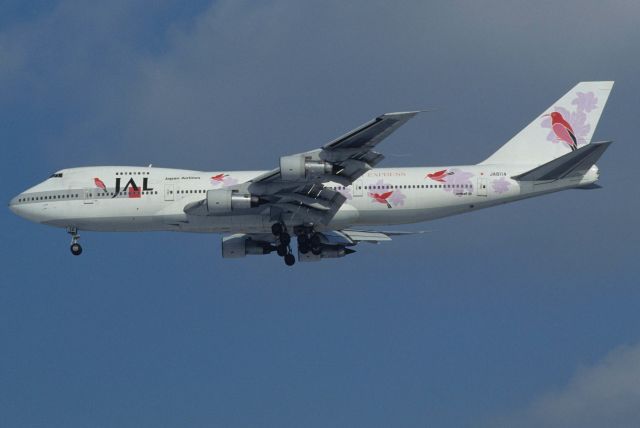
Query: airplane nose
[[14, 206], [17, 207]]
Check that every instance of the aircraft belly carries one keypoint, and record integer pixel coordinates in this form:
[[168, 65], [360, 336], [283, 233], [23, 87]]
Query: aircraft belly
[[227, 224]]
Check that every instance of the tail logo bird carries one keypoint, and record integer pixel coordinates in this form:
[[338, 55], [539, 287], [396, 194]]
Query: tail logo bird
[[563, 130]]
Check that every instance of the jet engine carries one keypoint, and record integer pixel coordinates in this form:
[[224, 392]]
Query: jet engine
[[326, 252], [298, 167], [240, 245], [223, 201]]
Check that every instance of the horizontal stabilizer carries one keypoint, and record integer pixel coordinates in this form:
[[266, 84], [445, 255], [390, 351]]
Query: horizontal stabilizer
[[573, 164], [592, 186]]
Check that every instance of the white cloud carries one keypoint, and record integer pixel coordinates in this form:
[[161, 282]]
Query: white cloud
[[604, 395]]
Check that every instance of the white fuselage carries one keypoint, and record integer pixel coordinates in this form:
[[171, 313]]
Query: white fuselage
[[153, 199]]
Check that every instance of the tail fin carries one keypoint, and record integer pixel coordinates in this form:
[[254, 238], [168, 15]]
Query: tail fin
[[565, 126]]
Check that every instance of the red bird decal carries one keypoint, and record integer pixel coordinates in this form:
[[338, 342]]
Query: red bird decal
[[382, 198], [219, 177], [439, 175], [99, 183], [563, 130]]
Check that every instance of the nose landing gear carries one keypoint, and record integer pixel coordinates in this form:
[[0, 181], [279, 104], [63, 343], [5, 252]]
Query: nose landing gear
[[76, 249]]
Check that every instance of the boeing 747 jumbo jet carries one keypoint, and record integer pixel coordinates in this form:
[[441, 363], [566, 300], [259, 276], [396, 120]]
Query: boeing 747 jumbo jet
[[326, 199]]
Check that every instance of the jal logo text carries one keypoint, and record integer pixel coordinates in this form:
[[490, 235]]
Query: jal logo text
[[131, 187]]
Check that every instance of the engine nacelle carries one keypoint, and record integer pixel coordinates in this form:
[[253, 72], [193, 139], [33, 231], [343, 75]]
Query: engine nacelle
[[298, 167], [327, 252], [237, 246], [334, 251], [224, 201]]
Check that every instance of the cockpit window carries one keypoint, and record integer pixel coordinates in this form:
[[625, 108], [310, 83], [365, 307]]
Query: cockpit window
[[57, 174]]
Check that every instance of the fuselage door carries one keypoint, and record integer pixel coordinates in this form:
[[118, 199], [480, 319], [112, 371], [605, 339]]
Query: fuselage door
[[482, 187], [88, 195], [168, 192], [357, 188]]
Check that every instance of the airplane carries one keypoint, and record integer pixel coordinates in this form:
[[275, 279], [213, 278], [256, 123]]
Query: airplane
[[329, 199]]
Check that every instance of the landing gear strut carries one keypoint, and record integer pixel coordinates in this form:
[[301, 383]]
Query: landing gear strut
[[76, 249]]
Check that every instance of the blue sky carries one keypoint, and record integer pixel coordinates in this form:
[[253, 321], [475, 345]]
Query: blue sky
[[521, 315]]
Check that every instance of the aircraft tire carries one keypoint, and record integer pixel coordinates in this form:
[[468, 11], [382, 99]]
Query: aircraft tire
[[76, 249], [277, 229], [289, 259], [285, 238], [282, 250]]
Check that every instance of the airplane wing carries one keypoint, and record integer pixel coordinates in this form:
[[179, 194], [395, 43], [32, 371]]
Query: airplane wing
[[296, 186], [334, 243], [295, 189]]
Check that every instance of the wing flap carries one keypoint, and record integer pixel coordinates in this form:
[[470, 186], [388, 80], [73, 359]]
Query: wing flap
[[375, 235]]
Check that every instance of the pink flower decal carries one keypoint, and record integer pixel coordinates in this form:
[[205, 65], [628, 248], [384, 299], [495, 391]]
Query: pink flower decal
[[585, 101], [223, 180], [458, 177], [346, 192], [501, 185]]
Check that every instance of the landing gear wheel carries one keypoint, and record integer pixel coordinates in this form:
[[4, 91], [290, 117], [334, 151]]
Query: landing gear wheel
[[282, 250], [277, 229], [315, 240], [76, 249], [316, 251], [303, 240], [285, 238], [289, 259], [304, 248]]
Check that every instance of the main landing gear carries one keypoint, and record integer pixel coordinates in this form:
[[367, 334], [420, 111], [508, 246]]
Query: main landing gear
[[309, 241], [284, 246], [76, 249]]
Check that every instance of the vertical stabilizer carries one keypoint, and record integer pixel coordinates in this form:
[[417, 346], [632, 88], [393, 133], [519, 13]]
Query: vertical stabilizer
[[565, 126]]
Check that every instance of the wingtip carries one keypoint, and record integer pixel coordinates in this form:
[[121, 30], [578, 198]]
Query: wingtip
[[409, 113], [401, 113], [605, 85]]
